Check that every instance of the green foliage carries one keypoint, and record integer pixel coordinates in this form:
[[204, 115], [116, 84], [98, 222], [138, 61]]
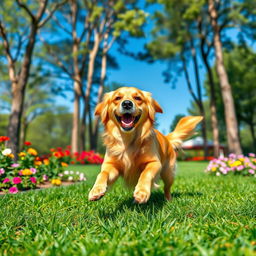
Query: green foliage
[[202, 219], [130, 21], [52, 129]]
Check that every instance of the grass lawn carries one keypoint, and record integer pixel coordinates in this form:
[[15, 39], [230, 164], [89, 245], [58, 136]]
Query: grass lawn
[[207, 216]]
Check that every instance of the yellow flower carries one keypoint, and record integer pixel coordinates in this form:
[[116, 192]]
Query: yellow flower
[[64, 164], [11, 155], [32, 151], [56, 182], [241, 159], [37, 163], [214, 169], [21, 154], [236, 163], [46, 161], [26, 172]]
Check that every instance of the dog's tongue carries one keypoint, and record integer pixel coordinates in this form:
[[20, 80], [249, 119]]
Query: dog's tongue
[[127, 120]]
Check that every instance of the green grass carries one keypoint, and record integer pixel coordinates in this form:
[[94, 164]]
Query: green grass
[[207, 216]]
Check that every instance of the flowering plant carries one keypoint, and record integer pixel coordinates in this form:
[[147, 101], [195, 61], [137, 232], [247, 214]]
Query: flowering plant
[[30, 169], [235, 164]]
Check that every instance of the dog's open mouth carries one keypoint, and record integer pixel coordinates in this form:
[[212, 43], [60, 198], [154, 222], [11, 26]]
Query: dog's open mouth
[[127, 121]]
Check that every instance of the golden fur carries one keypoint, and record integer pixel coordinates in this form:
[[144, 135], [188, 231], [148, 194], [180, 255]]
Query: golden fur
[[141, 154]]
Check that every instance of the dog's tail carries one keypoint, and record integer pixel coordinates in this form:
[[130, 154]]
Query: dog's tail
[[183, 130]]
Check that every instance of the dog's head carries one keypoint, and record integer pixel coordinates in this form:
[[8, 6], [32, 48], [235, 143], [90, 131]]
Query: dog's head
[[128, 108]]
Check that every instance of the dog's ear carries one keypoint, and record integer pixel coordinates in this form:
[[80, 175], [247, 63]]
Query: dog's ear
[[153, 106], [102, 108]]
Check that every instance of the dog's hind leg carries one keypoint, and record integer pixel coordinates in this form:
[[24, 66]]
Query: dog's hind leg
[[167, 176]]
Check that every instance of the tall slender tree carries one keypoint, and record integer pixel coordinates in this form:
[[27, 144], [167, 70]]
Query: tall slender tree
[[226, 91], [19, 39]]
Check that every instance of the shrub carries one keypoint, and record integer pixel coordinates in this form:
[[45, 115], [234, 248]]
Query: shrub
[[233, 164]]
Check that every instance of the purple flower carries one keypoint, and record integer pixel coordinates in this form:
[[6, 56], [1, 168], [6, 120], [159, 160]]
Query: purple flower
[[15, 165], [2, 171], [13, 190], [16, 180]]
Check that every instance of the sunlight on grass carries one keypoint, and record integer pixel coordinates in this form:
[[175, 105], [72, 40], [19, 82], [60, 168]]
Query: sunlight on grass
[[207, 216]]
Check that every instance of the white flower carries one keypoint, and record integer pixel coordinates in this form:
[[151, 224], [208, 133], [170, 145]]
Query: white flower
[[70, 178], [60, 175], [71, 172], [7, 152], [81, 177], [77, 173], [66, 172]]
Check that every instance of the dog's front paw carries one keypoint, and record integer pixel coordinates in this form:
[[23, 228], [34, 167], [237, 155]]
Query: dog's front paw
[[97, 193], [141, 196]]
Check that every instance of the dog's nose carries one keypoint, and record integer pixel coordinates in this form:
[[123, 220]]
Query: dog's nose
[[127, 104]]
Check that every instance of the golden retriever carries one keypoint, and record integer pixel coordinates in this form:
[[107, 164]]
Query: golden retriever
[[134, 149]]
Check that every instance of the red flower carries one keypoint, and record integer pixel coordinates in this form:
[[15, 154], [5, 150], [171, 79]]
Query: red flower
[[27, 143], [4, 138]]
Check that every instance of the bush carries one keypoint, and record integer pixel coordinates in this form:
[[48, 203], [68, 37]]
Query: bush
[[233, 164], [30, 170]]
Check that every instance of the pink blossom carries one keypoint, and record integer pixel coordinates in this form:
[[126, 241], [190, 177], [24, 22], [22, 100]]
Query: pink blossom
[[15, 165], [2, 171], [33, 170], [33, 179], [6, 180], [16, 180], [251, 154], [251, 171], [45, 177], [13, 190]]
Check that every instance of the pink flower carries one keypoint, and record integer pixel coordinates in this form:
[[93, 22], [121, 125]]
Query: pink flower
[[2, 171], [45, 177], [33, 170], [16, 180], [15, 165], [13, 190], [252, 155], [6, 180], [33, 179], [251, 171]]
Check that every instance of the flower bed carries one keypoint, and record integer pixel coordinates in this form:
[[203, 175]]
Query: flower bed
[[31, 171], [84, 157], [233, 164]]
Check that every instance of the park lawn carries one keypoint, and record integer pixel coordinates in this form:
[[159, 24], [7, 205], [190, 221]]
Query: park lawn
[[207, 216]]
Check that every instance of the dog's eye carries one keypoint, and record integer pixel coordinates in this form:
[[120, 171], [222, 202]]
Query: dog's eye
[[137, 98], [118, 98]]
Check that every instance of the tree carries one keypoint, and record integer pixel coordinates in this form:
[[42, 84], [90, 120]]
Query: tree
[[239, 61], [226, 91], [19, 37], [174, 41]]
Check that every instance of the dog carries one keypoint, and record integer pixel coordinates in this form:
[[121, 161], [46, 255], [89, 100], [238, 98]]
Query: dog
[[134, 149]]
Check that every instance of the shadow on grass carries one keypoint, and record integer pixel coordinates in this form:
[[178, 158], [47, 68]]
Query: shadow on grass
[[152, 207]]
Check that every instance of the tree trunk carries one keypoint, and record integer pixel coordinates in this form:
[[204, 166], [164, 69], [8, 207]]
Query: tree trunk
[[86, 98], [253, 136], [199, 97], [75, 124], [18, 94], [229, 107], [100, 95], [13, 129], [213, 108]]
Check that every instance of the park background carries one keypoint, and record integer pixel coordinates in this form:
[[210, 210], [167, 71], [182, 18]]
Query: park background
[[58, 59]]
